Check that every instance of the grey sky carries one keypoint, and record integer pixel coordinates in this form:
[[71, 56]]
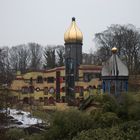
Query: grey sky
[[45, 21]]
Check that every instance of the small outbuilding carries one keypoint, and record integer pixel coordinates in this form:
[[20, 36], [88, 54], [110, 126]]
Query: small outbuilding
[[114, 75]]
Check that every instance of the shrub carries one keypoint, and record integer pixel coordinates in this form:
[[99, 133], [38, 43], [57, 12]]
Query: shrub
[[134, 111], [125, 131], [15, 134], [109, 103], [35, 137], [67, 124], [129, 108], [131, 130], [109, 119], [99, 134]]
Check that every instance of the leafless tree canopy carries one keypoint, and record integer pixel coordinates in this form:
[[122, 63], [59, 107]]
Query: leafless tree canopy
[[49, 57], [126, 38], [33, 56], [19, 58], [27, 57]]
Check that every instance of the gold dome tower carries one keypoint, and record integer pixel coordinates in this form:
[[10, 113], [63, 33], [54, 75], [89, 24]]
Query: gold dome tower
[[73, 34], [114, 50], [73, 59]]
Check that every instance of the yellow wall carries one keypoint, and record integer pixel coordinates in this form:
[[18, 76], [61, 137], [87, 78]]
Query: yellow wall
[[24, 79]]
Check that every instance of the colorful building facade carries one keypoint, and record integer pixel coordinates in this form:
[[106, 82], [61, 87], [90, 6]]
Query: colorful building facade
[[115, 75], [47, 87], [70, 83]]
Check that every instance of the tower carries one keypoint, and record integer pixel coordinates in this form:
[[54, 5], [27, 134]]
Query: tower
[[114, 75], [73, 38]]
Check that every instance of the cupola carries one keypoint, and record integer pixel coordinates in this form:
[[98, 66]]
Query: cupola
[[73, 34]]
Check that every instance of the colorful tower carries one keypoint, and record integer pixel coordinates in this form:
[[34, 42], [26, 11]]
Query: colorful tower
[[114, 75], [73, 38]]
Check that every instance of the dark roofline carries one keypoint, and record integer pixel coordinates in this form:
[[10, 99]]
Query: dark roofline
[[114, 77]]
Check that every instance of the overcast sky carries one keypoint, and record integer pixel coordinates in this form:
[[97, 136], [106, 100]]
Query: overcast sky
[[45, 21]]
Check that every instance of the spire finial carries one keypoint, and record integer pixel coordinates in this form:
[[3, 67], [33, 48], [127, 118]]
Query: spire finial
[[73, 34], [114, 50], [73, 18]]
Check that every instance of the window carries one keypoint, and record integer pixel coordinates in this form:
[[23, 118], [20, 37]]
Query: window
[[50, 79], [89, 88], [27, 80], [31, 80], [24, 90], [46, 90], [78, 89], [81, 90], [89, 76], [31, 89], [99, 87], [40, 99], [63, 89], [45, 100], [39, 79], [45, 79], [62, 79], [98, 75]]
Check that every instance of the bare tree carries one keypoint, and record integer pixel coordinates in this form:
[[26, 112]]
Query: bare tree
[[60, 50], [91, 58], [49, 57], [19, 58], [6, 72], [126, 38], [35, 56]]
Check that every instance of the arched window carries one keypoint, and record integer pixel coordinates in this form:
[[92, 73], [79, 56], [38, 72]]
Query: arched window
[[25, 90], [46, 90], [51, 100], [31, 80], [50, 79], [45, 79], [81, 91], [45, 100], [63, 89], [40, 99], [31, 89], [94, 87], [39, 79]]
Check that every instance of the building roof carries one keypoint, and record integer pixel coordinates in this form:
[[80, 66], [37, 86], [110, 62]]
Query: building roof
[[114, 67], [34, 74]]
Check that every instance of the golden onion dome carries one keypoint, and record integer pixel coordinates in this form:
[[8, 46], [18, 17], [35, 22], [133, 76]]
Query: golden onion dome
[[114, 50], [73, 34]]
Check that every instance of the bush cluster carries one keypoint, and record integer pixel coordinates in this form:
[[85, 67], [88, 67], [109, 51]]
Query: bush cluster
[[114, 119]]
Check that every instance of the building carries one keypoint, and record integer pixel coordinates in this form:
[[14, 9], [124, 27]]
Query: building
[[48, 87], [114, 75], [70, 83], [73, 38]]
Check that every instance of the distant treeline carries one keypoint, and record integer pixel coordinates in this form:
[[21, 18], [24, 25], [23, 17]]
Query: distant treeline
[[33, 56]]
